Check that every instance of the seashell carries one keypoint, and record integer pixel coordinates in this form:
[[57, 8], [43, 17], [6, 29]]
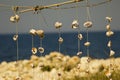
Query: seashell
[[79, 53], [87, 44], [41, 49], [88, 24], [12, 19], [109, 33], [108, 74], [109, 19], [15, 37], [112, 53], [32, 65], [108, 27], [109, 44], [88, 60], [40, 33], [58, 25], [17, 18], [80, 36], [75, 24], [34, 50], [60, 40], [18, 78], [32, 31]]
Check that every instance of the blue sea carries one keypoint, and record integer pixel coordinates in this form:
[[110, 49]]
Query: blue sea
[[98, 48]]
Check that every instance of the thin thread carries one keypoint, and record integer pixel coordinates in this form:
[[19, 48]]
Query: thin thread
[[59, 34]]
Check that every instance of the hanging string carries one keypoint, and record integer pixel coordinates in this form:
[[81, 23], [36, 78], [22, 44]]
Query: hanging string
[[88, 19]]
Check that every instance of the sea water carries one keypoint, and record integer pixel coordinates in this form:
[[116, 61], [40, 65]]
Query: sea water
[[97, 49]]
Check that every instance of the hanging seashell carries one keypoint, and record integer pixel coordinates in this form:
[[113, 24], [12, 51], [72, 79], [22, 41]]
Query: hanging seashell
[[58, 25], [109, 33], [17, 18], [41, 49], [60, 40], [34, 50], [87, 44], [88, 24], [15, 37], [40, 33], [108, 27], [109, 44], [12, 19], [32, 31], [75, 24], [112, 53], [109, 19], [79, 53], [80, 36]]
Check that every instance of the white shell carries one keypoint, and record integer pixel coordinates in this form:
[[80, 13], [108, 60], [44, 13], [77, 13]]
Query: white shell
[[88, 24], [32, 31], [108, 27], [112, 53], [41, 49], [80, 36], [87, 44], [58, 25], [109, 19], [12, 18], [60, 40], [79, 53], [109, 44], [109, 33], [17, 17], [40, 33], [34, 50], [15, 37], [75, 24]]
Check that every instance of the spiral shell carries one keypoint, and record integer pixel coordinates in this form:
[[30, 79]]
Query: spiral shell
[[12, 18], [60, 40], [87, 44], [40, 33], [108, 27], [109, 33], [32, 31], [79, 53], [58, 25], [109, 19], [112, 53], [80, 36], [88, 24], [109, 44], [34, 50], [41, 49], [17, 18], [15, 37], [75, 24]]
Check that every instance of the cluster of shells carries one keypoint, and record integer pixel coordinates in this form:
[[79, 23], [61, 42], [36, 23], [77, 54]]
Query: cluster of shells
[[40, 33], [109, 33]]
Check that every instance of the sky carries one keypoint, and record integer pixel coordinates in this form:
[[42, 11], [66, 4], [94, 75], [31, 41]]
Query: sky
[[46, 18]]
